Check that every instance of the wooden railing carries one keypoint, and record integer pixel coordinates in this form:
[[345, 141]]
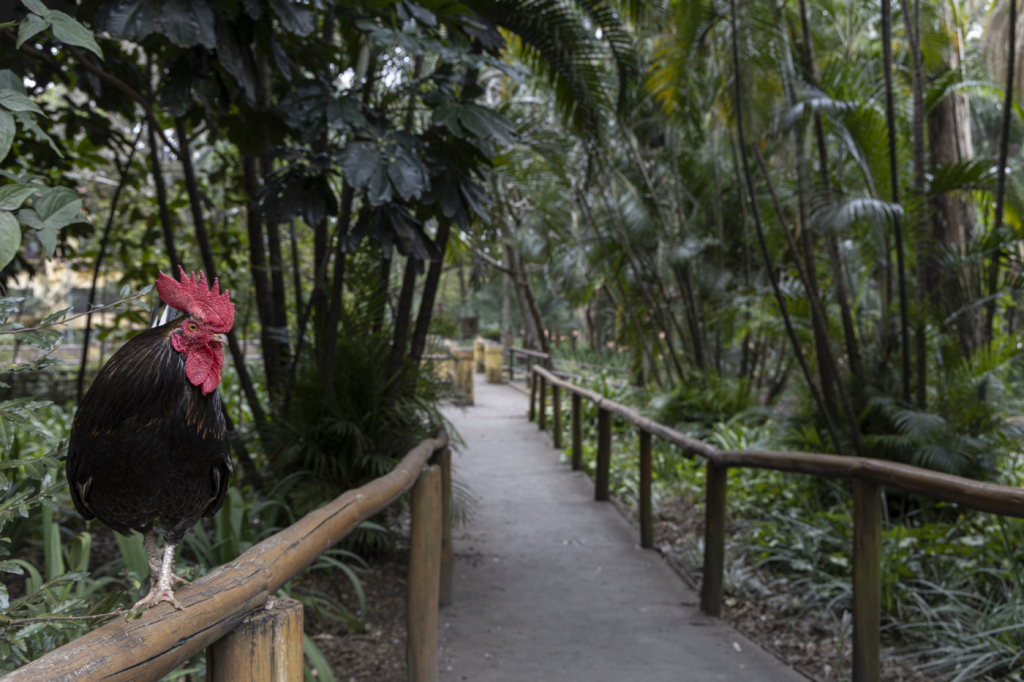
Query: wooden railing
[[868, 476], [229, 610], [530, 357]]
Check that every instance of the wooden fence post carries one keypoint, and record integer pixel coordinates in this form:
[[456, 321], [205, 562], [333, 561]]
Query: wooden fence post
[[867, 592], [556, 406], [424, 576], [492, 361], [542, 414], [479, 363], [533, 398], [443, 458], [604, 454], [646, 509], [577, 432], [464, 370], [714, 540], [265, 647]]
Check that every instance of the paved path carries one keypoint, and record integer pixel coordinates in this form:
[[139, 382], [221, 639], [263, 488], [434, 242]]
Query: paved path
[[552, 586]]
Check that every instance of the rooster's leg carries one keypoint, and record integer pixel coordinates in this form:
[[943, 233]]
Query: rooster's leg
[[154, 555], [163, 587]]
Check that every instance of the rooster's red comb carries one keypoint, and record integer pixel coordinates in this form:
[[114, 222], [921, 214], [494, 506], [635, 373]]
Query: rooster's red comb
[[195, 298]]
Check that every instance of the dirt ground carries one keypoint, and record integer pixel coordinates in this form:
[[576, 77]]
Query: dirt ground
[[378, 654]]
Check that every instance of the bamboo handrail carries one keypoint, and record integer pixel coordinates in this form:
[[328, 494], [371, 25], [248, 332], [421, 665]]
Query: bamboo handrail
[[163, 639], [979, 495]]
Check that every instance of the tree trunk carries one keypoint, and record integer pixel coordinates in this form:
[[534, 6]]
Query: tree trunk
[[831, 245], [419, 336], [403, 320], [270, 342], [645, 345], [769, 267], [1004, 142], [279, 308], [191, 186], [166, 225], [534, 337], [104, 241], [506, 310], [894, 183], [330, 350]]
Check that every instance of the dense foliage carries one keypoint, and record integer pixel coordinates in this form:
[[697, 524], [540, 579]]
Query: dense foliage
[[794, 224]]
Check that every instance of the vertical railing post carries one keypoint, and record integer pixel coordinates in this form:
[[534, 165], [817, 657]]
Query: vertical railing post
[[424, 576], [714, 540], [867, 592], [265, 647], [533, 397], [577, 432], [542, 414], [443, 458], [604, 454], [556, 411], [646, 509]]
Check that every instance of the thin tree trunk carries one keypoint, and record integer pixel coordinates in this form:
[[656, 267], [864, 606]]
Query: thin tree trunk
[[278, 293], [403, 320], [640, 273], [1004, 143], [849, 331], [816, 310], [506, 310], [104, 241], [166, 225], [273, 362], [822, 339], [259, 416], [419, 336], [383, 289], [644, 344], [894, 181], [330, 351], [912, 24], [769, 267], [296, 272]]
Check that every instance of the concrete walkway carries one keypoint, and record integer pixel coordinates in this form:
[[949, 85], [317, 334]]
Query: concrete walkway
[[552, 586]]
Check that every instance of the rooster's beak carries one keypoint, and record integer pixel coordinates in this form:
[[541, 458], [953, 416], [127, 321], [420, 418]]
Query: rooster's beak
[[220, 338]]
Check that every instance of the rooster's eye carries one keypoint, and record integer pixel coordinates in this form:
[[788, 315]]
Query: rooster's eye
[[192, 326]]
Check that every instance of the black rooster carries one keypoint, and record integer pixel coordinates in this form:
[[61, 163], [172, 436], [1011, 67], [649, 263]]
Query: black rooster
[[149, 440]]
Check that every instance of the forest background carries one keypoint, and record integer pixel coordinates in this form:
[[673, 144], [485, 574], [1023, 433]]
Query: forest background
[[842, 273]]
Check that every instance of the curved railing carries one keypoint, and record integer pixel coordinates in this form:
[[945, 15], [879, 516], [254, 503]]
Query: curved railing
[[868, 475], [241, 592]]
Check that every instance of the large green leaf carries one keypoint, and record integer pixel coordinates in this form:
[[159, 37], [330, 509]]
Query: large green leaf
[[48, 238], [293, 17], [7, 132], [186, 24], [13, 196], [30, 26], [58, 207], [70, 32], [378, 191], [36, 6], [359, 160], [10, 237], [408, 174], [15, 101]]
